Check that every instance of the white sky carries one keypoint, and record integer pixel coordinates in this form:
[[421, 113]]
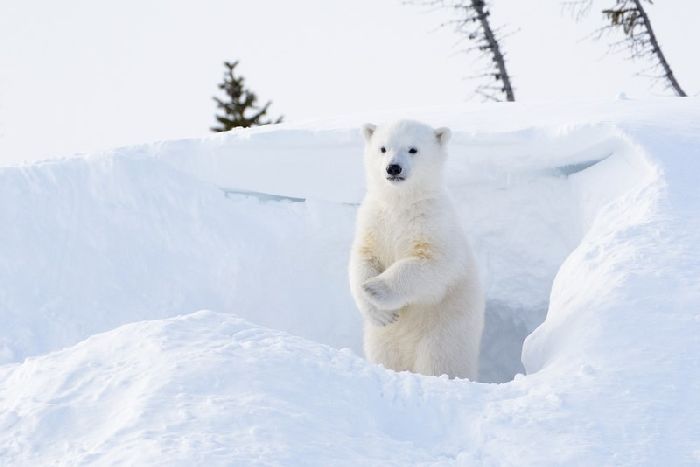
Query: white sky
[[83, 75]]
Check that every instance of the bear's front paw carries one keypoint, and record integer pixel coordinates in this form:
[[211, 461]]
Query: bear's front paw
[[375, 316], [382, 317], [379, 294]]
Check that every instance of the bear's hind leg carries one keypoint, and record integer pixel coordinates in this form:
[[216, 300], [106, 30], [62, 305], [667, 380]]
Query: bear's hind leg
[[381, 348], [446, 353]]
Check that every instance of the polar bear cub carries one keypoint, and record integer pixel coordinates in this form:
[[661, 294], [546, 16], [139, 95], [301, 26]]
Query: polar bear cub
[[412, 272]]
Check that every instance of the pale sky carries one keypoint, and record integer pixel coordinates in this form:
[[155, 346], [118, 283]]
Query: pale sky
[[84, 75]]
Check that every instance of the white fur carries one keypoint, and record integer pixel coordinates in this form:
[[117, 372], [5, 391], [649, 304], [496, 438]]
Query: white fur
[[412, 273]]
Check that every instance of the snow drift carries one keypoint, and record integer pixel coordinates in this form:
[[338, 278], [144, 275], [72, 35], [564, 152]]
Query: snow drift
[[588, 215]]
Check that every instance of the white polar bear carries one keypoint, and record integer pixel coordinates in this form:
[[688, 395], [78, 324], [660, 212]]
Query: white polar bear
[[412, 272]]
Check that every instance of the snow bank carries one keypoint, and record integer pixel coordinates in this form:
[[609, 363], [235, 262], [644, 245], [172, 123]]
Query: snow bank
[[212, 389], [589, 216]]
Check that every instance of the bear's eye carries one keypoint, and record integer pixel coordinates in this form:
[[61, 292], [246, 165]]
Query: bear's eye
[[412, 151], [382, 149]]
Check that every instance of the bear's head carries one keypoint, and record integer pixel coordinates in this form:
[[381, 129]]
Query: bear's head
[[404, 157]]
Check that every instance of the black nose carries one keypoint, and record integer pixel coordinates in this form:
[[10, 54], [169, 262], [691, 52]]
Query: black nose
[[393, 169]]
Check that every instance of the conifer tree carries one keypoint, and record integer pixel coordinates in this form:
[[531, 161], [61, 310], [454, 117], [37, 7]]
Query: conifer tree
[[240, 106]]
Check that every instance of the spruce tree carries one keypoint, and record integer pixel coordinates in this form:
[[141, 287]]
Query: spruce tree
[[240, 105]]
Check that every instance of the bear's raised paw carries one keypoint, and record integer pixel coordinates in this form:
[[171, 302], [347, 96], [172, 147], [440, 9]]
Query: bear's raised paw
[[382, 318], [379, 294]]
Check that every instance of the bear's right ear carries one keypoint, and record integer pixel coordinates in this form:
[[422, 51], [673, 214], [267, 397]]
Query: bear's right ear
[[443, 135], [368, 131]]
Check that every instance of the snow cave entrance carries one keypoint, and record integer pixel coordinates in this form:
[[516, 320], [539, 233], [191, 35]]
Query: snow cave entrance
[[529, 199]]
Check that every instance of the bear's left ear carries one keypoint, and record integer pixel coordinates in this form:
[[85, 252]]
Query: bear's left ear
[[443, 135], [368, 130]]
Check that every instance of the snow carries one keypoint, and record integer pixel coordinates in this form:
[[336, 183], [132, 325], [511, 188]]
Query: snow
[[587, 214]]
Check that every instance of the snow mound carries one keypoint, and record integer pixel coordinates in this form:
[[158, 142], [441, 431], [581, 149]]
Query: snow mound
[[211, 388], [588, 216]]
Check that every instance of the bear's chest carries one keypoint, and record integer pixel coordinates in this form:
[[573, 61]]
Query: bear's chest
[[402, 234]]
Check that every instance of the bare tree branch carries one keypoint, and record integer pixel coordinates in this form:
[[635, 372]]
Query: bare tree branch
[[640, 41], [494, 47], [474, 25]]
